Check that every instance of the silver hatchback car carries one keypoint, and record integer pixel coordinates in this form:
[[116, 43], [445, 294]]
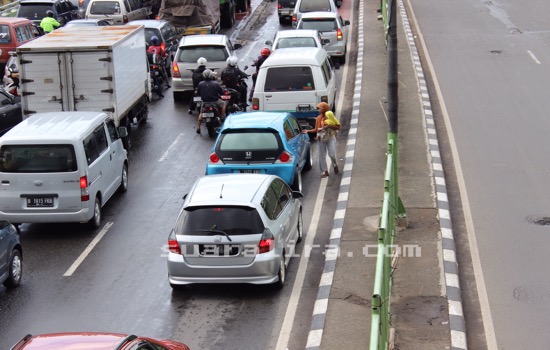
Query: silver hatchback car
[[332, 28], [235, 228]]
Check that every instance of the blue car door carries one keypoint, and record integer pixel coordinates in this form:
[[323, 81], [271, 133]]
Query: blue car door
[[296, 140]]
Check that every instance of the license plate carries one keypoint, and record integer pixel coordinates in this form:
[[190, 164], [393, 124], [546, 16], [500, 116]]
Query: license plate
[[219, 249], [197, 99], [208, 115], [303, 108], [225, 97], [156, 73], [39, 202], [250, 171]]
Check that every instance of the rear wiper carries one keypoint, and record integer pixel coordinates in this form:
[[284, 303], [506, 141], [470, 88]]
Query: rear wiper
[[215, 231]]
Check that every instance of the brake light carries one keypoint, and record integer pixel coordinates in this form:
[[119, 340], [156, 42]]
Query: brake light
[[214, 159], [84, 194], [175, 70], [125, 19], [339, 34], [279, 6], [255, 104], [285, 157], [294, 19], [266, 242], [80, 2], [173, 245], [154, 67], [163, 47]]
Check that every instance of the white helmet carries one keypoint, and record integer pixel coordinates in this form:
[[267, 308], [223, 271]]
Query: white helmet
[[232, 61], [202, 61], [208, 74]]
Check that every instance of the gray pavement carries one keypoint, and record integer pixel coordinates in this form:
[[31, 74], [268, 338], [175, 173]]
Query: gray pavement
[[420, 314]]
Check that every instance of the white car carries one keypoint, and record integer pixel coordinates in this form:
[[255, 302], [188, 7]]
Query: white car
[[297, 38], [305, 6], [332, 28], [216, 48]]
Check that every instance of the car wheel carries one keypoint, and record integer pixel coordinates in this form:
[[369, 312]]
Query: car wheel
[[15, 269], [297, 183], [95, 221], [300, 228], [309, 160], [282, 272], [124, 181]]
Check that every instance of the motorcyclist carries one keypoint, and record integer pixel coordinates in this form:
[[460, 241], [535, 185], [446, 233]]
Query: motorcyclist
[[210, 91], [155, 47], [156, 79], [264, 54], [197, 77], [231, 77], [48, 23]]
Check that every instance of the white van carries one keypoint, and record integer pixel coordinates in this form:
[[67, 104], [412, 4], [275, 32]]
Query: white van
[[295, 80], [117, 12], [61, 167]]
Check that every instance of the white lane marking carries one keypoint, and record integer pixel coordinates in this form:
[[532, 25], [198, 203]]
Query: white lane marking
[[286, 328], [88, 249], [165, 155], [533, 57]]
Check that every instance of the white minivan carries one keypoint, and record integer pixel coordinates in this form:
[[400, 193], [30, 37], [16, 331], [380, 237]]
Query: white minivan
[[61, 167], [295, 80]]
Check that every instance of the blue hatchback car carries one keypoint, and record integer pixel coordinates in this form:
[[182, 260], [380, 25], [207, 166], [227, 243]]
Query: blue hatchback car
[[262, 143]]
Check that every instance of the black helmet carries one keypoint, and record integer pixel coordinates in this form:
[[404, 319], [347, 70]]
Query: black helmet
[[208, 74], [49, 13]]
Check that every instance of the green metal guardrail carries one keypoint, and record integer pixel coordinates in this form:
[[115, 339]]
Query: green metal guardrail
[[392, 209]]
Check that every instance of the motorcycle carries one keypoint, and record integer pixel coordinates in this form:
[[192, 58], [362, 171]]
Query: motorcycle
[[211, 117], [231, 99], [155, 70], [13, 86]]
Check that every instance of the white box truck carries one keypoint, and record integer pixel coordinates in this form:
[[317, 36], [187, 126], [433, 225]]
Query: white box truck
[[98, 69]]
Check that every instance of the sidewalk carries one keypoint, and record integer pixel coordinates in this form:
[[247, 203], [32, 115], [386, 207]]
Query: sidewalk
[[419, 306]]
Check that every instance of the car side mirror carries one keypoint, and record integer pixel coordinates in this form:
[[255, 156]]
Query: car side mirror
[[326, 41], [6, 102], [347, 23], [296, 194], [237, 46], [269, 42], [122, 131]]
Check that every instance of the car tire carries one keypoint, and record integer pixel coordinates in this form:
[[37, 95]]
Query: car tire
[[95, 221], [309, 160], [282, 272], [300, 228], [15, 269], [297, 183], [124, 180]]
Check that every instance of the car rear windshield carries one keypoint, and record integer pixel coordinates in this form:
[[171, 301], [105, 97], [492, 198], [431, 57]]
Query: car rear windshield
[[211, 53], [33, 10], [289, 79], [5, 36], [37, 159], [232, 220], [151, 32], [249, 146], [105, 8], [287, 3], [321, 24], [295, 42], [315, 5]]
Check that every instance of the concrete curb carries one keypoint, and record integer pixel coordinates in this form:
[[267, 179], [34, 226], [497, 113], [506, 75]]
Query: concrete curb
[[321, 303], [450, 266]]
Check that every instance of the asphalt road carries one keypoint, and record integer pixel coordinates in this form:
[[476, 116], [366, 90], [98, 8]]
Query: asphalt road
[[491, 65], [121, 286]]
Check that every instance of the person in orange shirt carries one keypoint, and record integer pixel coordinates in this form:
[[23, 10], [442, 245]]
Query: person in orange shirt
[[156, 48]]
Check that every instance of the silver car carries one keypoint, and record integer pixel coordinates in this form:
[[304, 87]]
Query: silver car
[[235, 228], [332, 28]]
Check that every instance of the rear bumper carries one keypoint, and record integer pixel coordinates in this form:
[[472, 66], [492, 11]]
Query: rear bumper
[[284, 171], [263, 270], [182, 84], [83, 215]]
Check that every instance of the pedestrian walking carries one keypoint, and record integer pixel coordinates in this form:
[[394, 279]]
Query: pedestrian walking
[[326, 127]]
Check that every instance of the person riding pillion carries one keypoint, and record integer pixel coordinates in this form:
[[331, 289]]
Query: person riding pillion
[[232, 75], [210, 91], [197, 77], [48, 23], [264, 54]]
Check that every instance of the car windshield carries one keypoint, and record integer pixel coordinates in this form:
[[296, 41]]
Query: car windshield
[[295, 42], [289, 79], [321, 24], [232, 220], [105, 8], [315, 5], [5, 34], [211, 53], [37, 159], [33, 10]]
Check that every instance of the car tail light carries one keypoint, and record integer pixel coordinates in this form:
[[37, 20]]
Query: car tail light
[[285, 157], [279, 6], [80, 3], [154, 67], [339, 34], [255, 104], [175, 70], [267, 242], [125, 19], [294, 19], [213, 159], [163, 47], [173, 245], [84, 194]]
